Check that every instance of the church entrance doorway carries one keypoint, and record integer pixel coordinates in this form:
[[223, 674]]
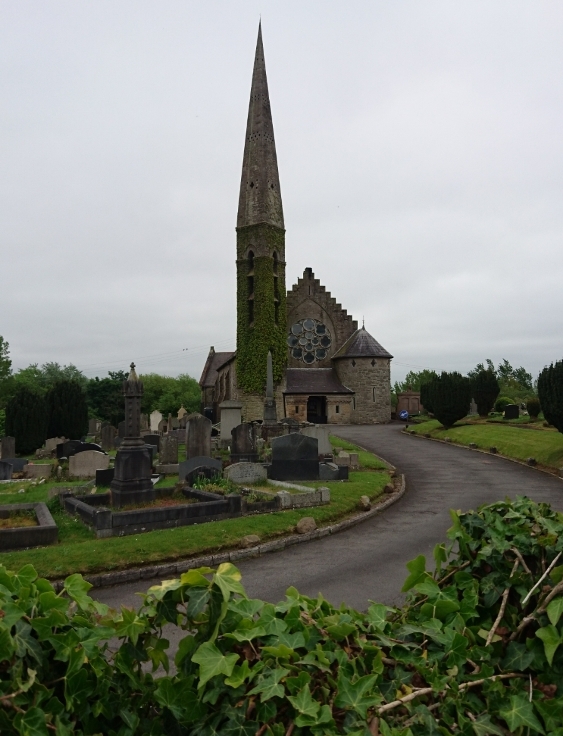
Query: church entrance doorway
[[316, 409]]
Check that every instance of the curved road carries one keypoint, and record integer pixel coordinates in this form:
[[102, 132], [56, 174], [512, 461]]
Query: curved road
[[368, 561]]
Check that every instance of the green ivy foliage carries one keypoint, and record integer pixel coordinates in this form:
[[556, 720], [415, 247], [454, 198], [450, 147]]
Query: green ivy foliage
[[476, 650], [254, 342]]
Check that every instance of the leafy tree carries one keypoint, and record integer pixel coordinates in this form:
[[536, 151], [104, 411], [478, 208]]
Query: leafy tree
[[450, 396], [414, 380], [5, 362], [67, 410], [550, 390], [485, 388], [105, 397], [168, 394], [26, 420], [515, 382]]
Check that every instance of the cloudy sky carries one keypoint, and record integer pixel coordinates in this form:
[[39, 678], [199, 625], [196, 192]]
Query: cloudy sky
[[420, 151]]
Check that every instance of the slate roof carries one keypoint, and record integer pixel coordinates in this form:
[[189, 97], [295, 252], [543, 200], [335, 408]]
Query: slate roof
[[213, 363], [361, 345], [314, 381]]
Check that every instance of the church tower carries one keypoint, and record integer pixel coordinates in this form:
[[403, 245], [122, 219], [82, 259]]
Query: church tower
[[261, 293]]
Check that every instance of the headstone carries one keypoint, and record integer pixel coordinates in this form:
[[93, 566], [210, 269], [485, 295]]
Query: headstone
[[354, 461], [104, 477], [295, 457], [243, 444], [246, 473], [230, 417], [7, 447], [85, 464], [198, 436], [73, 447], [152, 439], [94, 426], [155, 419], [17, 463], [144, 422], [37, 471], [108, 435], [163, 426], [511, 411], [168, 450], [473, 408], [181, 412], [328, 471], [52, 442], [169, 422], [343, 458], [197, 462], [121, 429], [321, 432], [6, 470]]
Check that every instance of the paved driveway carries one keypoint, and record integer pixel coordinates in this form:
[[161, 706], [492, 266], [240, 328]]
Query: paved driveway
[[368, 561]]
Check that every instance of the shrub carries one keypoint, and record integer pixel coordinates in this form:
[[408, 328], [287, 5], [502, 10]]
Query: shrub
[[550, 392], [26, 420], [533, 407], [425, 398], [502, 402], [485, 388], [67, 410], [450, 397]]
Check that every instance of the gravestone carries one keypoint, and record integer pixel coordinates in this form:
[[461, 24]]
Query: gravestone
[[144, 422], [94, 426], [121, 429], [155, 419], [37, 471], [295, 457], [52, 443], [329, 471], [17, 463], [192, 463], [7, 447], [108, 435], [321, 432], [85, 464], [246, 473], [73, 447], [511, 411], [198, 436], [181, 412], [343, 458], [168, 450], [152, 439], [243, 444], [230, 417], [6, 470], [104, 477]]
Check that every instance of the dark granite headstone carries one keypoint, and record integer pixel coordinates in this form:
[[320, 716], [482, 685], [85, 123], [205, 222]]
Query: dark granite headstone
[[202, 471], [243, 444], [7, 447], [511, 411], [152, 439], [17, 463], [295, 457], [202, 461], [73, 447], [6, 470], [104, 477], [198, 436]]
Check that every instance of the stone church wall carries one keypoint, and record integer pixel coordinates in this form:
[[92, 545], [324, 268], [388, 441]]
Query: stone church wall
[[372, 386]]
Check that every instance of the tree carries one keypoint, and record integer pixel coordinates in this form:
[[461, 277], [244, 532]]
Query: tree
[[550, 391], [450, 396], [515, 382], [485, 388], [5, 362], [425, 398], [67, 410], [414, 380], [105, 397], [26, 420], [168, 394]]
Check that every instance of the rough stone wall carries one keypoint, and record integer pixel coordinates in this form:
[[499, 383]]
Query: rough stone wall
[[339, 410], [372, 387], [309, 298]]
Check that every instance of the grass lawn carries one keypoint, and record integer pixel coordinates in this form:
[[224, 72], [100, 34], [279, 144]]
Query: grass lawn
[[545, 446], [79, 551]]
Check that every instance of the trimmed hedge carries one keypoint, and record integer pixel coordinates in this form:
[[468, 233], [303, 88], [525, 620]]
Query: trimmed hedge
[[485, 388]]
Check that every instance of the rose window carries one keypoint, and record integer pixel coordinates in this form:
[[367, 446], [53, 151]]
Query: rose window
[[309, 340]]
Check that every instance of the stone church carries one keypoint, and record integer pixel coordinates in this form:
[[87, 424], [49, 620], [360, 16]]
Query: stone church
[[326, 369]]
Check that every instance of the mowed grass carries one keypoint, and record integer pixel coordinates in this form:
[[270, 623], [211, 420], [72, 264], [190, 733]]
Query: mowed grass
[[367, 460], [516, 442], [79, 551]]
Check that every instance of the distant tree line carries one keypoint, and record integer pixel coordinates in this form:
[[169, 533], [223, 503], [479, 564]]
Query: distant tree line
[[53, 400]]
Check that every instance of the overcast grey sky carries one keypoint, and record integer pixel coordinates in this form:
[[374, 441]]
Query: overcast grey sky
[[420, 152]]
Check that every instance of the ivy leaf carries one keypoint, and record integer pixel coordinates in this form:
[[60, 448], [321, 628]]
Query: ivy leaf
[[296, 683], [7, 647], [518, 657], [324, 716], [353, 696], [181, 702], [130, 625], [440, 556], [33, 722], [428, 587], [521, 713], [240, 674], [377, 615], [551, 640], [213, 662], [280, 652], [197, 600], [550, 711], [457, 650], [228, 579], [554, 610], [439, 609], [51, 600], [341, 631], [12, 613], [269, 686], [24, 577], [196, 578], [304, 703], [483, 726], [248, 634], [417, 569], [77, 588], [557, 574]]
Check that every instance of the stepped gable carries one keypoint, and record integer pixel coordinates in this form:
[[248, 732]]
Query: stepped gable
[[362, 345]]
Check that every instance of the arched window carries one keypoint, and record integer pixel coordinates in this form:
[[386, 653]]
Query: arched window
[[250, 288], [276, 290]]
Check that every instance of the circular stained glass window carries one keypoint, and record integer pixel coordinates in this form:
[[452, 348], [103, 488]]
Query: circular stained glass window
[[309, 340]]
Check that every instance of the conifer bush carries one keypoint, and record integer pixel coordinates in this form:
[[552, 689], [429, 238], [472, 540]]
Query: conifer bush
[[450, 397], [533, 407], [67, 410], [425, 398], [26, 420], [550, 393], [485, 388]]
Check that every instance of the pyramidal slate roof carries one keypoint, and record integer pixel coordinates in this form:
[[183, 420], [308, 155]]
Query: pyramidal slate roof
[[361, 345], [260, 194]]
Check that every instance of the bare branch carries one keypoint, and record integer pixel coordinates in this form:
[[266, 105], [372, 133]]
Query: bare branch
[[502, 607], [543, 577]]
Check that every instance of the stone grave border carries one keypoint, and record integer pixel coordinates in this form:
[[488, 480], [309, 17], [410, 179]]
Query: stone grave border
[[44, 533], [541, 468], [173, 569]]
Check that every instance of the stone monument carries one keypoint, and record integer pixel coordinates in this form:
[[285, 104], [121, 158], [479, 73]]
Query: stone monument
[[198, 436], [230, 417], [132, 477], [7, 447]]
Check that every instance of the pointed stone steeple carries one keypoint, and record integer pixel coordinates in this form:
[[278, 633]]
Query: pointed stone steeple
[[260, 196]]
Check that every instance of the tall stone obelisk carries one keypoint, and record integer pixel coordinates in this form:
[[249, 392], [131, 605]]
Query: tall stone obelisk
[[132, 477]]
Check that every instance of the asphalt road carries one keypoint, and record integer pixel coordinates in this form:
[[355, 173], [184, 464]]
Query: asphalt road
[[368, 561]]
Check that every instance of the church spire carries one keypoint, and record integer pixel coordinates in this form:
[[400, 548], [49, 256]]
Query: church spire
[[260, 195]]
